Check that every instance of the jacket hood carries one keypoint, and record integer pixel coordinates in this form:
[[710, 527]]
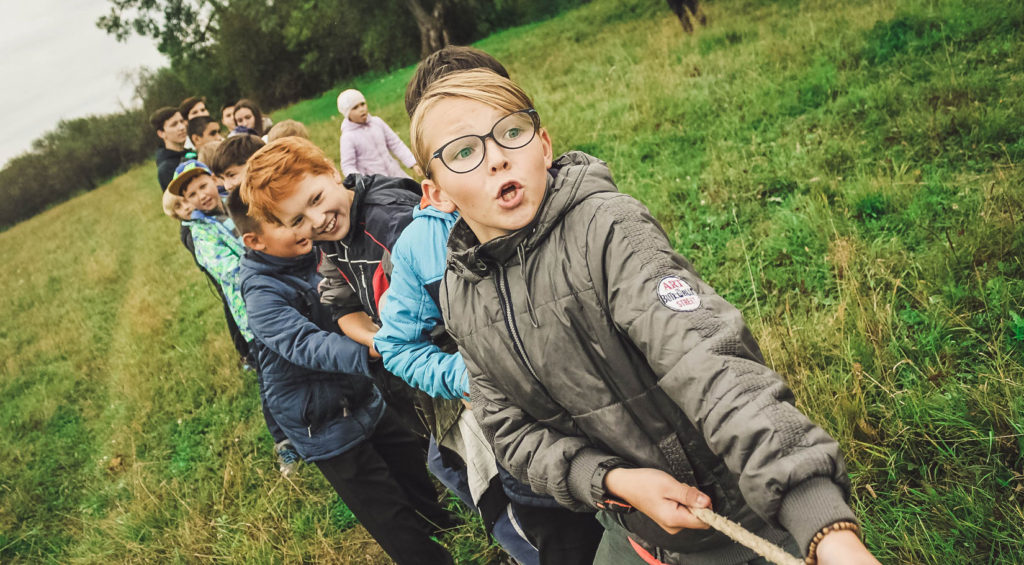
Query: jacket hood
[[573, 177], [431, 212], [259, 263]]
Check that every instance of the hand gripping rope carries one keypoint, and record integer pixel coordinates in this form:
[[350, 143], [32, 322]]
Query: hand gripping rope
[[745, 537]]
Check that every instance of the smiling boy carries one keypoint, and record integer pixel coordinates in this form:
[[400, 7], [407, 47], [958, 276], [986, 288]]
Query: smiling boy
[[605, 371], [216, 247], [354, 224], [316, 385]]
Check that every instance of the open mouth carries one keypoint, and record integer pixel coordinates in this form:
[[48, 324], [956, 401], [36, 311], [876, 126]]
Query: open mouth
[[508, 191]]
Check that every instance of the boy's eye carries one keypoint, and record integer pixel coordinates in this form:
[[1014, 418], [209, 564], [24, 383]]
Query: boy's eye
[[513, 132], [459, 150]]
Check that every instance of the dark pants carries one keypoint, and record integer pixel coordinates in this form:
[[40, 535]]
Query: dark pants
[[561, 536], [384, 482]]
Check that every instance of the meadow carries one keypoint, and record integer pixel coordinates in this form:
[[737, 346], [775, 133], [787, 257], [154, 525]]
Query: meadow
[[849, 174]]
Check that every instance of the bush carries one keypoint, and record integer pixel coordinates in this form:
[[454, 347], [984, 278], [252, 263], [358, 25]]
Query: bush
[[79, 155]]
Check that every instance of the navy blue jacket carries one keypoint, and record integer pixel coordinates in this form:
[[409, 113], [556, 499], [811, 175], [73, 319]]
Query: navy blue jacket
[[316, 381]]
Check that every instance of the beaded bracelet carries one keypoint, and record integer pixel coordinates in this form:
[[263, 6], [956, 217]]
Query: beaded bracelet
[[812, 557]]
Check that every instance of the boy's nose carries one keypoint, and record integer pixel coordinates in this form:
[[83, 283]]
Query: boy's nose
[[495, 156]]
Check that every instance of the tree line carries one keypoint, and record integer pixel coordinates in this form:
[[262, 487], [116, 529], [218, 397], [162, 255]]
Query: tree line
[[272, 51]]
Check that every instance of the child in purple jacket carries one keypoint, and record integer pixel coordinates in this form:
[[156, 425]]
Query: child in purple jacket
[[367, 143]]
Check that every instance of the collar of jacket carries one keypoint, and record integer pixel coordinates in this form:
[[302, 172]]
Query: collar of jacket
[[349, 125], [266, 263], [361, 186], [572, 178]]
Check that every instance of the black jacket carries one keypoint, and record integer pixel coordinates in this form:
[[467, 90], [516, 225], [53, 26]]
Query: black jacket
[[355, 268], [166, 161]]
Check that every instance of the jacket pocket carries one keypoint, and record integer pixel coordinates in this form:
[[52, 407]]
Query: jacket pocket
[[322, 403]]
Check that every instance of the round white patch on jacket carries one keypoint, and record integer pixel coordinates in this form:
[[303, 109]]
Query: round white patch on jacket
[[675, 293]]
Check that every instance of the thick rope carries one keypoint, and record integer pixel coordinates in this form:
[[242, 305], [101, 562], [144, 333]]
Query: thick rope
[[743, 536]]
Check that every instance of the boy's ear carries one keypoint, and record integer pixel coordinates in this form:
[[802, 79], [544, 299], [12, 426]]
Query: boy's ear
[[545, 140], [438, 199], [252, 241], [160, 133]]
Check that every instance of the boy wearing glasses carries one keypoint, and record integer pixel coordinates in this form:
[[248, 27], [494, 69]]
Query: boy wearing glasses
[[532, 528], [604, 370]]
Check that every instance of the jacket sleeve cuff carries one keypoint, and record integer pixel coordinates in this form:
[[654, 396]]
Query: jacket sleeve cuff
[[586, 475], [811, 506]]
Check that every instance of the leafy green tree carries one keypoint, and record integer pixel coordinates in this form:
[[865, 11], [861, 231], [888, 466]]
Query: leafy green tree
[[182, 28]]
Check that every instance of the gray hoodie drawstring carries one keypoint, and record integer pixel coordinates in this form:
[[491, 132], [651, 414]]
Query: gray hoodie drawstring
[[521, 252]]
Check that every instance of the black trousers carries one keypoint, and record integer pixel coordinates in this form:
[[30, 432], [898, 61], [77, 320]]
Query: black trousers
[[384, 482], [561, 536]]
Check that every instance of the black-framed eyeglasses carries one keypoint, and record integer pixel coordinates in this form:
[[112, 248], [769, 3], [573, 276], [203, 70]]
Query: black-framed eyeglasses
[[463, 154]]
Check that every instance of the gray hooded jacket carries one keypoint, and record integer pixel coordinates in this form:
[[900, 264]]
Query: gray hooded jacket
[[591, 343]]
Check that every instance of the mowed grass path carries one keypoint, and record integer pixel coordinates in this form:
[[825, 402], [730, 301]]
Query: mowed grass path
[[848, 174]]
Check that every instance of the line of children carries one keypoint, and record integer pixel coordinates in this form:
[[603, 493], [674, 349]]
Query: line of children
[[218, 250], [411, 320], [603, 371], [377, 466]]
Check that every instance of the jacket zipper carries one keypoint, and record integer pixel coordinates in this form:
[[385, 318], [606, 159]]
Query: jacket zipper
[[361, 286], [505, 301]]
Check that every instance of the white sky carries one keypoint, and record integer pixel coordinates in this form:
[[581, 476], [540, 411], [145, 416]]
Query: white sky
[[55, 63]]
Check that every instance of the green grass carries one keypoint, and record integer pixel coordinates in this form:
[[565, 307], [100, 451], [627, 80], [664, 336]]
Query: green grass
[[848, 174]]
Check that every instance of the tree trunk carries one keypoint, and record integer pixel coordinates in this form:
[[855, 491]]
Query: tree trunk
[[433, 34]]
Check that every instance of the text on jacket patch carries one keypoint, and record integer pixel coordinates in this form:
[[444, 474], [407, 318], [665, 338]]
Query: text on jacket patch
[[675, 293]]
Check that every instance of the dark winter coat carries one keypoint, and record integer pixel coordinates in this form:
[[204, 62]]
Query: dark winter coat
[[316, 380], [166, 161], [354, 268]]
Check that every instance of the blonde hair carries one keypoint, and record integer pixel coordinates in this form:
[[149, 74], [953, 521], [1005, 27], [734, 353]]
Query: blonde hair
[[286, 128], [205, 153], [169, 202], [480, 85]]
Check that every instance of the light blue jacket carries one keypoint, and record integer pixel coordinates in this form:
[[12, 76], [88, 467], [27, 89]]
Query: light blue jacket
[[411, 309]]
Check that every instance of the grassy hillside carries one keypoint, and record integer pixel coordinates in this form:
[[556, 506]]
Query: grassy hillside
[[848, 174]]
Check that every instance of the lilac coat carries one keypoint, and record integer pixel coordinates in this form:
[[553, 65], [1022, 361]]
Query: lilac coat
[[366, 148]]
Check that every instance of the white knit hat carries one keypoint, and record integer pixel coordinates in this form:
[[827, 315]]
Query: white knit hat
[[349, 99]]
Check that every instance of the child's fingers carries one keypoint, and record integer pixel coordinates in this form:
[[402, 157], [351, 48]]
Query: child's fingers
[[687, 495], [689, 521]]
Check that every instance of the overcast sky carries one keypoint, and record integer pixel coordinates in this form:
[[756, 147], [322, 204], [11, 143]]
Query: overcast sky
[[55, 63]]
